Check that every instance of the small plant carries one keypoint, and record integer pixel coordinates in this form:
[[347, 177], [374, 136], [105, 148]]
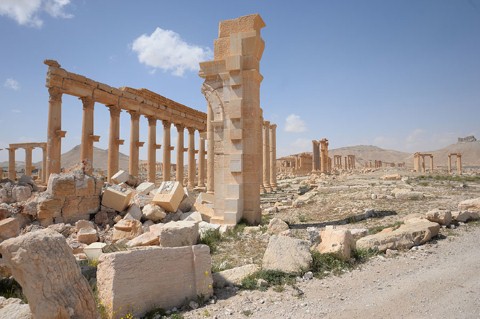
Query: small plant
[[362, 255], [302, 218], [10, 288], [272, 277], [93, 263], [155, 313], [128, 316], [377, 229], [206, 313], [247, 313], [176, 315], [211, 238], [324, 264]]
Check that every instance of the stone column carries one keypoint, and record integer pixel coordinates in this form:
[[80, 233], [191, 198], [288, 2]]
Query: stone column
[[459, 164], [44, 164], [191, 157], [449, 164], [431, 163], [266, 156], [324, 156], [114, 141], [12, 171], [201, 160], [211, 151], [273, 157], [166, 151], [134, 143], [315, 156], [180, 150], [152, 149], [86, 146], [54, 131], [28, 161]]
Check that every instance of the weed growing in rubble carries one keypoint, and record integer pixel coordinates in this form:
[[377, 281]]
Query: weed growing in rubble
[[211, 238], [377, 229], [325, 264], [273, 278]]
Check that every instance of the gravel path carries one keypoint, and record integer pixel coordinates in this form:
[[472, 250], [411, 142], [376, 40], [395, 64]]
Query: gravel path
[[437, 280]]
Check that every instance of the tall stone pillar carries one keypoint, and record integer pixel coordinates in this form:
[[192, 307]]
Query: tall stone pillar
[[44, 164], [12, 171], [191, 158], [459, 164], [211, 150], [114, 141], [324, 156], [54, 131], [86, 146], [431, 163], [180, 151], [28, 161], [134, 143], [201, 160], [152, 149], [315, 156], [266, 156], [166, 151], [232, 89], [449, 164], [273, 156]]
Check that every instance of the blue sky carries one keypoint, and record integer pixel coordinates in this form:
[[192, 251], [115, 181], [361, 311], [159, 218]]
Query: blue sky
[[401, 75]]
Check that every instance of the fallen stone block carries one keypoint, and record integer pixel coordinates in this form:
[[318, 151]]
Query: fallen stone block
[[392, 177], [413, 233], [87, 235], [233, 276], [143, 279], [134, 212], [153, 212], [145, 188], [14, 308], [338, 242], [60, 185], [9, 228], [407, 194], [277, 226], [116, 199], [145, 239], [471, 205], [169, 196], [187, 202], [21, 193], [127, 229], [287, 254], [120, 177], [440, 216], [460, 216], [43, 264], [192, 216], [177, 234]]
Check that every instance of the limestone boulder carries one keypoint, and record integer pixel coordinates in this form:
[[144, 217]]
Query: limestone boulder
[[134, 212], [204, 205], [21, 193], [287, 254], [6, 210], [9, 227], [6, 192], [153, 277], [14, 308], [127, 229], [460, 216], [440, 216], [145, 239], [43, 264], [414, 232], [61, 185], [471, 205], [192, 216], [87, 235], [338, 242], [233, 276], [145, 188], [187, 202], [277, 226], [177, 234], [153, 212]]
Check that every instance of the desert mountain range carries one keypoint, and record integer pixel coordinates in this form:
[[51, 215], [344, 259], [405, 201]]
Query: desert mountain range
[[470, 155]]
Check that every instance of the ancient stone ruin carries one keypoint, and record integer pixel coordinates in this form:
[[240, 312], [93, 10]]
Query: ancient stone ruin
[[419, 162], [458, 156], [28, 147]]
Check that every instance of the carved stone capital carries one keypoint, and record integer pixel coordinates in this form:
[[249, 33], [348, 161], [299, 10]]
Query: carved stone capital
[[55, 94]]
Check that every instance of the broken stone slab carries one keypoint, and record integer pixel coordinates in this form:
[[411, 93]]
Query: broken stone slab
[[407, 194], [127, 229], [79, 207], [145, 188], [127, 281], [233, 276], [358, 233], [471, 205], [392, 177], [338, 242], [460, 216], [9, 227], [43, 264], [116, 199], [187, 202], [287, 254], [14, 308], [21, 193], [87, 235], [177, 234], [49, 206], [192, 216], [145, 239], [414, 232], [440, 216], [120, 177], [142, 200], [204, 205], [277, 226], [153, 212], [169, 196], [134, 212]]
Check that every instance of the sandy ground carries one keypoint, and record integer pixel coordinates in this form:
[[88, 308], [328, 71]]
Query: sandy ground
[[438, 280]]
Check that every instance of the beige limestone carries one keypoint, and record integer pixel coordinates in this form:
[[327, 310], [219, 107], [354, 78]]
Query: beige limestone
[[338, 242], [145, 239], [43, 264], [87, 235], [144, 279], [470, 205], [277, 226], [169, 196], [116, 199], [176, 234], [287, 254], [145, 188], [153, 212], [127, 229], [9, 227], [440, 216], [233, 276]]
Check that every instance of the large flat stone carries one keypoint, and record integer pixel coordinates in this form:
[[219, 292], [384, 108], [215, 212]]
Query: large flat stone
[[177, 234], [287, 254]]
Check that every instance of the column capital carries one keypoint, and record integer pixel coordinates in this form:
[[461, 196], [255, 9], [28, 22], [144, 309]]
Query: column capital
[[166, 123], [180, 127], [87, 102], [191, 130], [134, 115], [55, 94], [266, 124], [114, 110], [151, 120], [273, 126]]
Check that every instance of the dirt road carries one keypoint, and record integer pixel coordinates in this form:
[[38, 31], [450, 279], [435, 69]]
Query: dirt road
[[439, 280]]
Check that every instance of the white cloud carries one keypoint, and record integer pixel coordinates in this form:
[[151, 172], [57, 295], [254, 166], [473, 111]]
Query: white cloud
[[165, 50], [12, 84], [294, 124], [26, 12]]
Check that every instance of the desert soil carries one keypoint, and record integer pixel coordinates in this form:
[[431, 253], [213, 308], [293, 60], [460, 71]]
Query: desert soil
[[438, 280]]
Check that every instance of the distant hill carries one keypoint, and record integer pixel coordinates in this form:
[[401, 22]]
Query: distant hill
[[366, 153], [470, 154]]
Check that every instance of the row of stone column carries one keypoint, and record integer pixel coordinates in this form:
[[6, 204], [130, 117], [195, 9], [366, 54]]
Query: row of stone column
[[419, 162], [28, 147], [88, 138], [459, 163], [269, 183], [321, 162], [349, 162]]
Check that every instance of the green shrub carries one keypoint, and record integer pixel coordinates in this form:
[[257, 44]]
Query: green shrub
[[324, 264], [272, 277], [211, 238]]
